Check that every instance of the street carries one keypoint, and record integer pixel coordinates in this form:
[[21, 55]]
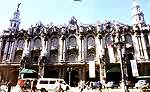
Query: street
[[75, 89]]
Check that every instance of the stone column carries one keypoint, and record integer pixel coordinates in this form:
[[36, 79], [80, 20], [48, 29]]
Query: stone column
[[12, 51], [136, 46], [44, 47], [6, 51], [63, 48], [80, 73], [43, 57], [84, 73], [82, 48], [60, 73], [63, 73], [1, 43], [26, 48], [101, 62], [144, 46], [149, 38]]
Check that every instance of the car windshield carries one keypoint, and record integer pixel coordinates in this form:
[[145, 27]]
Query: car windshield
[[143, 81]]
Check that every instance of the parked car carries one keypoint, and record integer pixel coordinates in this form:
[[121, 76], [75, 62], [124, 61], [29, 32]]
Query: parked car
[[97, 84], [130, 84], [111, 84], [141, 83], [48, 84]]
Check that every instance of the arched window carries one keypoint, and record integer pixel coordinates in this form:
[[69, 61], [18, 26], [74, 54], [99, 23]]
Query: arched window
[[36, 59], [128, 39], [54, 43], [20, 43], [37, 43], [91, 42], [18, 58], [108, 40], [72, 58], [146, 39], [54, 58], [72, 42], [90, 58], [14, 24]]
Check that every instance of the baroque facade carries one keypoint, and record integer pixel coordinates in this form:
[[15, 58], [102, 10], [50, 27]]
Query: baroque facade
[[63, 51]]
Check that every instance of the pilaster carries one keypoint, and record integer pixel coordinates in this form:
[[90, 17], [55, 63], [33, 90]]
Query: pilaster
[[144, 46], [5, 51], [136, 47]]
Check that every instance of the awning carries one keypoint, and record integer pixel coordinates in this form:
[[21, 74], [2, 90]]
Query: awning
[[27, 71], [143, 77], [114, 69]]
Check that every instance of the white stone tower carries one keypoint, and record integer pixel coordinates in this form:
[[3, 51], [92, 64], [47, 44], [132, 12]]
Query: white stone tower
[[137, 14], [15, 21]]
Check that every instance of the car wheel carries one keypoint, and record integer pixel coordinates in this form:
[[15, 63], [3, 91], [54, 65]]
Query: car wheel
[[43, 90], [67, 88]]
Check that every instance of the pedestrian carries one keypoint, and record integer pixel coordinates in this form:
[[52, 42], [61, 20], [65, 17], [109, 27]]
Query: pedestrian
[[9, 84], [33, 86], [58, 86]]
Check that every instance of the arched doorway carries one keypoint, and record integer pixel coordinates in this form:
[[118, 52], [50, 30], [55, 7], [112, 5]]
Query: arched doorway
[[51, 74], [92, 79], [74, 78]]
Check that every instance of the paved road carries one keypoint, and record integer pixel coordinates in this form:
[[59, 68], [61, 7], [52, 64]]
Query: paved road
[[91, 90], [106, 90]]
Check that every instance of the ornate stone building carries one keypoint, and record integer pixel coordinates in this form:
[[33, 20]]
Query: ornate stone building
[[65, 51]]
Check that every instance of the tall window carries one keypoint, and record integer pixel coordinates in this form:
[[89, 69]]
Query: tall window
[[72, 58], [128, 39], [37, 43], [146, 39], [20, 43], [90, 58], [54, 43], [91, 42], [108, 40], [54, 58], [72, 42]]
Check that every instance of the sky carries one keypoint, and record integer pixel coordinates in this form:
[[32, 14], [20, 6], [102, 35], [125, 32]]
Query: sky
[[60, 11]]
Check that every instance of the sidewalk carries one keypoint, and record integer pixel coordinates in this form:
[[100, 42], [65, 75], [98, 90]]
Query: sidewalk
[[120, 90]]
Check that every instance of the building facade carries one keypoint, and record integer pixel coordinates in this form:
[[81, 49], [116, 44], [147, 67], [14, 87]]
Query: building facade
[[66, 51]]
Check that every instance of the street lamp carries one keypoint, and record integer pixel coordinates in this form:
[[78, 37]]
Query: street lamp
[[69, 70], [120, 44]]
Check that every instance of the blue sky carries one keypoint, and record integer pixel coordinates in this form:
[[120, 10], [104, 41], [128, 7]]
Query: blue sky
[[60, 11]]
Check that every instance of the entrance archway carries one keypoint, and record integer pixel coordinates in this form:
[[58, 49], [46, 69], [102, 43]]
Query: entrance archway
[[92, 79], [51, 74], [74, 78]]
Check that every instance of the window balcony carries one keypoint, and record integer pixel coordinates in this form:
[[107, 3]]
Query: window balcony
[[37, 48], [19, 49], [73, 50], [91, 49]]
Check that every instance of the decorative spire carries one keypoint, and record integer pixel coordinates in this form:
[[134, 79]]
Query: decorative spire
[[137, 14], [15, 21]]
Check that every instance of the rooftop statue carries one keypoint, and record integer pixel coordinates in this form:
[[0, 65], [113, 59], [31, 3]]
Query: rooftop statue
[[18, 6]]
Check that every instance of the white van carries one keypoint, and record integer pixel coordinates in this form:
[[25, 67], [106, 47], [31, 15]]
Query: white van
[[48, 84]]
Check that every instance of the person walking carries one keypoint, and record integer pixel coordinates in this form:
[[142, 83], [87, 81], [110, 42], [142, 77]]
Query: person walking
[[9, 84], [58, 86], [33, 86]]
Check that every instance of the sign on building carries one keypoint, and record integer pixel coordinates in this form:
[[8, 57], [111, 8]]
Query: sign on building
[[92, 69], [134, 68]]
